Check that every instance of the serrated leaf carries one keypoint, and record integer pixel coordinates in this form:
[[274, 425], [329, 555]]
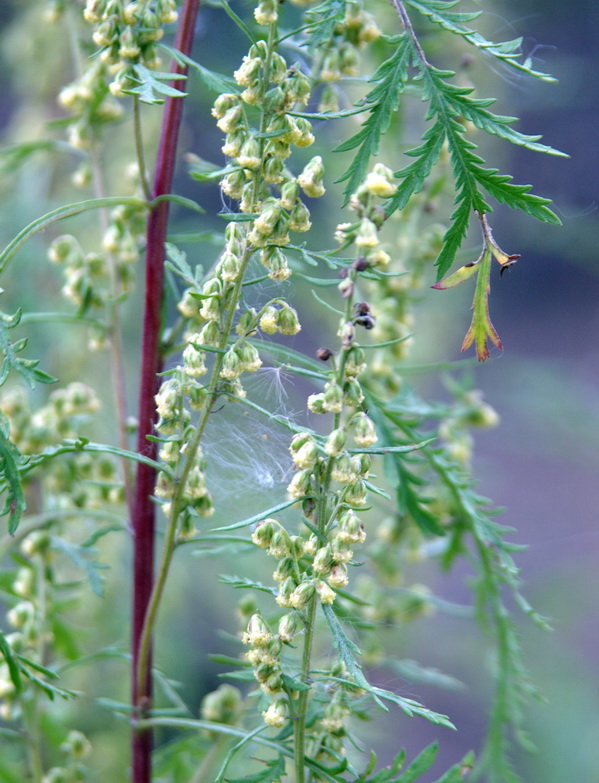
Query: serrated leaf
[[243, 583], [10, 458], [383, 101], [437, 11], [82, 557], [420, 765], [153, 84], [11, 663]]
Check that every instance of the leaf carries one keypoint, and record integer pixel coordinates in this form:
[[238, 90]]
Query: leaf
[[347, 651], [481, 327], [241, 583], [382, 101], [82, 558], [15, 155], [10, 459], [11, 663], [217, 82], [257, 517], [27, 368], [273, 771], [437, 11], [152, 85], [420, 765], [66, 211]]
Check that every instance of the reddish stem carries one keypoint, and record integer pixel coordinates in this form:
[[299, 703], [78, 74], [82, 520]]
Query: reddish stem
[[143, 517]]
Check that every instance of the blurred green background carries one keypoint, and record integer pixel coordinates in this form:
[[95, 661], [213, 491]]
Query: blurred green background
[[541, 463]]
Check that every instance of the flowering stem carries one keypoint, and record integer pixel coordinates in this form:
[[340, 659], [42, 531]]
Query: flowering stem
[[310, 621], [143, 516]]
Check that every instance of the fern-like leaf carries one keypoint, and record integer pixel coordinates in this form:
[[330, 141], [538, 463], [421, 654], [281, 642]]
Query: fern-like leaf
[[391, 78]]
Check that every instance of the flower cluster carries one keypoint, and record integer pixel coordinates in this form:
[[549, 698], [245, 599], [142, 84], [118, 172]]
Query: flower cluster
[[89, 276]]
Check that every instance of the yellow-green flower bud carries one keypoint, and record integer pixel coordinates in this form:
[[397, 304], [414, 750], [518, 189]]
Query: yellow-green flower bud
[[286, 589], [288, 321], [195, 487], [267, 220], [170, 452], [330, 67], [232, 366], [258, 633], [349, 61], [299, 218], [329, 100], [276, 715], [272, 684], [248, 73], [285, 569], [279, 546], [310, 180], [288, 627], [249, 156], [269, 320], [303, 136], [364, 433], [65, 248], [276, 262], [166, 11], [316, 403], [204, 505], [333, 398], [306, 456], [36, 543], [128, 48], [302, 595], [167, 399], [297, 86], [323, 560], [325, 592], [229, 267], [340, 551], [338, 578], [209, 334], [289, 194], [20, 614], [223, 103], [249, 357], [367, 236], [351, 529], [343, 470], [222, 705], [267, 12], [273, 170], [232, 147], [300, 484], [335, 442], [193, 359], [263, 534], [352, 393], [355, 494], [76, 745], [231, 120]]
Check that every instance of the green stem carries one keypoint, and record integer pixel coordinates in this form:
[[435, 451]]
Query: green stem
[[310, 620], [139, 149]]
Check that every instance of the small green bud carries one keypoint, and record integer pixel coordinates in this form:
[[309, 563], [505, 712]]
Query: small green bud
[[316, 403], [288, 320], [249, 357], [303, 137], [269, 320], [364, 432], [300, 484], [285, 569], [335, 442], [325, 592], [302, 595], [267, 12], [355, 494], [279, 546], [209, 334], [297, 86], [299, 218], [337, 577], [310, 180], [323, 560], [367, 236], [231, 120], [306, 456], [333, 398], [273, 170], [263, 534], [330, 67], [343, 470], [286, 589], [248, 73], [249, 156], [232, 366], [258, 633], [222, 705], [210, 309], [267, 220], [276, 715], [232, 149], [288, 625], [275, 261], [193, 359], [352, 393]]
